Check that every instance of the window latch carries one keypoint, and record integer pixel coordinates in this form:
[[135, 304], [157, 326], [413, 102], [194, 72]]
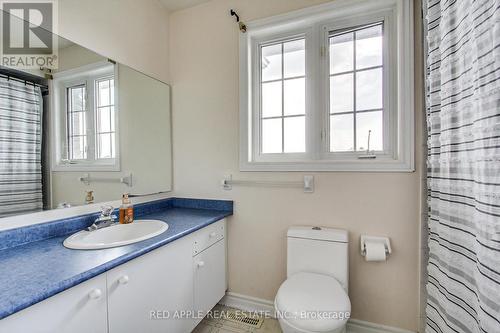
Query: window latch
[[368, 154]]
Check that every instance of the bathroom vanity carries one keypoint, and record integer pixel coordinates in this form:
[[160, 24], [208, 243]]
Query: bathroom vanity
[[164, 284]]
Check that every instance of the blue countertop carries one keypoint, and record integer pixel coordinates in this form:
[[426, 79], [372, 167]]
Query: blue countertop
[[33, 271]]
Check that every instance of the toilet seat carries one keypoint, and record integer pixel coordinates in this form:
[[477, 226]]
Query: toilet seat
[[313, 302]]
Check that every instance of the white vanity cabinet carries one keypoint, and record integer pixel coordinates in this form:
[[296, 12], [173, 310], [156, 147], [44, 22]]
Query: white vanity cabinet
[[144, 293], [160, 291], [209, 268], [81, 309]]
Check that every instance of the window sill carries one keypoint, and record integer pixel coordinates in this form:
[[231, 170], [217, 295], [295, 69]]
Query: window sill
[[376, 165], [86, 167]]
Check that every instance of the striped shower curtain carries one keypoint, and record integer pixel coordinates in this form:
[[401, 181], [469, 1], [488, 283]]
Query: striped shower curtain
[[20, 148], [463, 117]]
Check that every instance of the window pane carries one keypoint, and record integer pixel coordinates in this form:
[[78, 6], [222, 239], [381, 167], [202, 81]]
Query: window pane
[[78, 123], [341, 53], [104, 120], [271, 136], [295, 136], [369, 47], [369, 89], [104, 145], [341, 93], [77, 99], [78, 148], [342, 132], [103, 93], [271, 62], [295, 96], [365, 122], [294, 58], [271, 99]]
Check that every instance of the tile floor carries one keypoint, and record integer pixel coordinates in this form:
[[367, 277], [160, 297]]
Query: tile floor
[[218, 323]]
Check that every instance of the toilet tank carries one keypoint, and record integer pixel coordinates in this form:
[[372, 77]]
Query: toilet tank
[[318, 250]]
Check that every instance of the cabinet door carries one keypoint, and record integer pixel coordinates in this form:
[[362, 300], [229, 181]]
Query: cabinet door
[[81, 309], [210, 276], [148, 293]]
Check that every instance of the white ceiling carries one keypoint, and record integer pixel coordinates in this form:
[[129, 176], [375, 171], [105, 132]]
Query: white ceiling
[[173, 5]]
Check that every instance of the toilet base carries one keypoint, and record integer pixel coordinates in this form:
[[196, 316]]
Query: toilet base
[[287, 328]]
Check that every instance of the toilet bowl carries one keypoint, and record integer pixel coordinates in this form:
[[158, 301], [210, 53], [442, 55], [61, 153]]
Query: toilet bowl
[[314, 297]]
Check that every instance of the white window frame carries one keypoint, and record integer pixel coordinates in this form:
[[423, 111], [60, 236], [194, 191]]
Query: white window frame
[[95, 80], [86, 75], [315, 23], [256, 80]]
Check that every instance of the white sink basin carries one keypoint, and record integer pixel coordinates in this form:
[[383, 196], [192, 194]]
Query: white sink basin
[[116, 235]]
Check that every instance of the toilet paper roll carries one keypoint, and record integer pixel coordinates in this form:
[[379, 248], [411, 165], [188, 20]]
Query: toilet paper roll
[[375, 251]]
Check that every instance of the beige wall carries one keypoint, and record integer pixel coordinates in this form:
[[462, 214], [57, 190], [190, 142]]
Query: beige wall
[[132, 32], [204, 78]]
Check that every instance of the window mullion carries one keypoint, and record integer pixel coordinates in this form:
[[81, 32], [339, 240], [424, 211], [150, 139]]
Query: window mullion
[[282, 98], [389, 138], [69, 123], [354, 91], [314, 93], [256, 104], [112, 148], [91, 129]]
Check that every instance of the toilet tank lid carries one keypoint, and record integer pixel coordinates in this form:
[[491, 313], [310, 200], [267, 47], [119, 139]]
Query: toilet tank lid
[[319, 233]]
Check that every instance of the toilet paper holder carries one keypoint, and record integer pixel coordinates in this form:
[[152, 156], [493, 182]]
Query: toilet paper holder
[[369, 239]]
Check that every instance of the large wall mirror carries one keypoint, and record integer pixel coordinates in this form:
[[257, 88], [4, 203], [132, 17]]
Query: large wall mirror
[[85, 132]]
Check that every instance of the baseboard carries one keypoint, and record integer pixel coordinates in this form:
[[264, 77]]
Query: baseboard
[[254, 304], [248, 303], [361, 326]]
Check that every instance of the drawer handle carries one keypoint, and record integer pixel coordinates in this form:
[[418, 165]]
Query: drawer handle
[[212, 234], [123, 280], [200, 264], [95, 294]]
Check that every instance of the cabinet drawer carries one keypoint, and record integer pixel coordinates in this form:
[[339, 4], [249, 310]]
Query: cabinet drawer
[[208, 236]]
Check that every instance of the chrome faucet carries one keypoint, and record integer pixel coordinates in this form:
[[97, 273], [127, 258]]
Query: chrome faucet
[[106, 219]]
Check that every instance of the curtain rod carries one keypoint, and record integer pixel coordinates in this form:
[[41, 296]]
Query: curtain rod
[[26, 82]]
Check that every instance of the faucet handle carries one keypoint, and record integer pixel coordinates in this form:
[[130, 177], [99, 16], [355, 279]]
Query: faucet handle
[[106, 210]]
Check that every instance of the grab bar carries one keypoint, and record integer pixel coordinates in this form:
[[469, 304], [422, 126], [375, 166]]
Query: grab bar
[[307, 184], [87, 179]]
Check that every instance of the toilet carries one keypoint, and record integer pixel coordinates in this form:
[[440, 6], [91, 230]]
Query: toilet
[[314, 297]]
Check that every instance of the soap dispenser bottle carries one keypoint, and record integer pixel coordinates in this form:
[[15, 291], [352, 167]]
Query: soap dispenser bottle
[[89, 197], [126, 210]]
